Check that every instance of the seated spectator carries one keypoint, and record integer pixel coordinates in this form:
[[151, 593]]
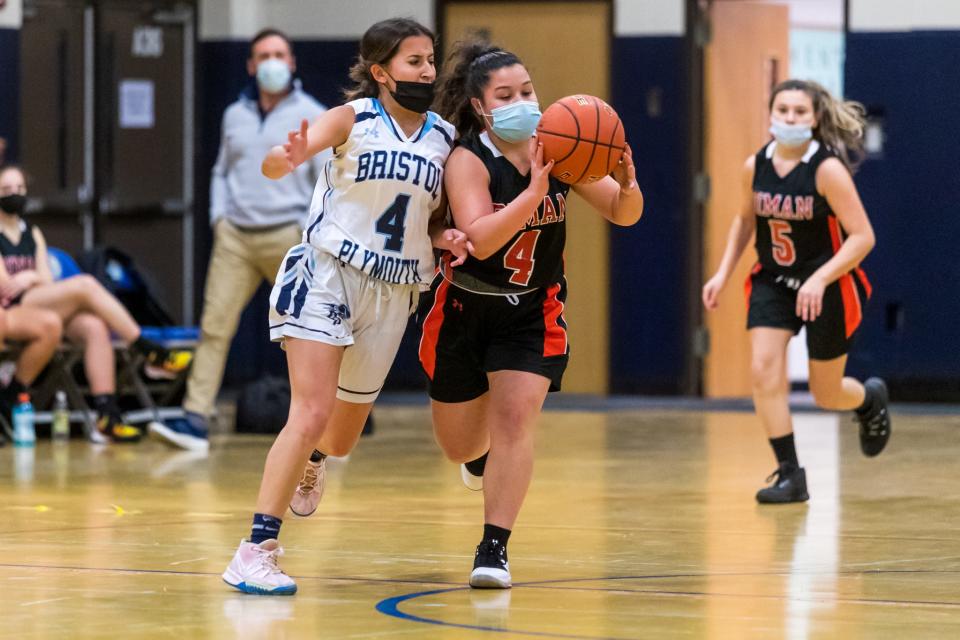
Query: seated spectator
[[87, 310], [38, 331]]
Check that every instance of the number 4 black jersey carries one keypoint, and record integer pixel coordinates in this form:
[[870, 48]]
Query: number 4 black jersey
[[797, 231], [534, 256]]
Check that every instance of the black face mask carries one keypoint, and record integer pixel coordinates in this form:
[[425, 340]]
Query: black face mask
[[14, 204], [415, 96]]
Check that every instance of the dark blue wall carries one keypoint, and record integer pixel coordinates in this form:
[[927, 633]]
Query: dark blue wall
[[649, 261], [221, 75], [10, 90], [910, 334]]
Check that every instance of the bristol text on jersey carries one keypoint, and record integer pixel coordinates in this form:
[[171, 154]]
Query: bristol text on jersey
[[399, 165]]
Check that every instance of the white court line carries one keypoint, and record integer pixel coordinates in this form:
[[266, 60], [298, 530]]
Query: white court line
[[173, 564], [27, 604]]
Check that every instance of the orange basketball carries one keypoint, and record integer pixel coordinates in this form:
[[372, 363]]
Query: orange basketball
[[584, 136]]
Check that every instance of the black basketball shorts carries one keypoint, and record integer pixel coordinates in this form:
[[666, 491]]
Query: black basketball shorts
[[466, 335], [772, 302]]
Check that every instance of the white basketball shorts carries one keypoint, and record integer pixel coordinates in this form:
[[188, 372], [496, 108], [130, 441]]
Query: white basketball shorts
[[317, 297]]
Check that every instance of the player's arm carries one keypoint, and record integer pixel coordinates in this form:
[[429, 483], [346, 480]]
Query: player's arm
[[44, 276], [468, 189], [741, 231], [835, 183], [13, 286], [330, 129], [617, 198], [442, 236]]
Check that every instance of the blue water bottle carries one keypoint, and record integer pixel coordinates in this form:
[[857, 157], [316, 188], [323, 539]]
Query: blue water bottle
[[24, 431]]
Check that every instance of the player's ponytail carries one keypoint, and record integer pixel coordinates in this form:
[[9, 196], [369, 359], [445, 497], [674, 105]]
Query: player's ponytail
[[377, 46], [465, 75], [840, 123]]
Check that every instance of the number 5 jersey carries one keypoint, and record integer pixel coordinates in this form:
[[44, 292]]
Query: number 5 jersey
[[797, 231], [372, 204]]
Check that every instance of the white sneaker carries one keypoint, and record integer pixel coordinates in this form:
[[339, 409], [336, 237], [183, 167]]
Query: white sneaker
[[254, 569], [310, 489], [472, 482]]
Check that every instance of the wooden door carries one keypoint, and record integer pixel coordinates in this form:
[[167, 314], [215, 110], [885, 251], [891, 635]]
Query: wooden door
[[748, 55], [568, 52]]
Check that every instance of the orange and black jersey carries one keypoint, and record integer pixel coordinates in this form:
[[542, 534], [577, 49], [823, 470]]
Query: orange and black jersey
[[797, 231], [21, 256], [533, 257]]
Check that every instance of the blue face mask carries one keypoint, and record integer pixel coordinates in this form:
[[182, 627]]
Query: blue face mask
[[790, 135], [273, 75], [515, 122]]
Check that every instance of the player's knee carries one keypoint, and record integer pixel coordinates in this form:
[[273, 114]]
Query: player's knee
[[512, 422], [766, 372], [458, 452], [85, 285], [47, 326], [92, 328], [308, 419]]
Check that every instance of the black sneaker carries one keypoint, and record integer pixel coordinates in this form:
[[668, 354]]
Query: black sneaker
[[490, 567], [875, 424], [790, 486]]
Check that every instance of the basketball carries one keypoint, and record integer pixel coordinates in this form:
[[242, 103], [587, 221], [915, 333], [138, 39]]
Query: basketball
[[584, 137]]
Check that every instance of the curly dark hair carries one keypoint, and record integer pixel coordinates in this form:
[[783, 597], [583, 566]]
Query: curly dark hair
[[465, 75]]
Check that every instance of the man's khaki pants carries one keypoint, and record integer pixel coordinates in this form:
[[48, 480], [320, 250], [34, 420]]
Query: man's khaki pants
[[241, 260]]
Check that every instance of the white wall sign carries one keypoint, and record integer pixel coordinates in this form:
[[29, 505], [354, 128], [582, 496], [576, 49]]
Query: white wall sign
[[136, 104], [147, 42]]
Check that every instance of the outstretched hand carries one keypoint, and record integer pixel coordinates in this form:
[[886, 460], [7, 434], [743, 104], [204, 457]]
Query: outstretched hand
[[625, 173], [295, 149], [456, 242], [539, 172]]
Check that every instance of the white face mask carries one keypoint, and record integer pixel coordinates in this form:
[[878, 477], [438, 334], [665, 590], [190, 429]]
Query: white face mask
[[790, 135], [273, 75]]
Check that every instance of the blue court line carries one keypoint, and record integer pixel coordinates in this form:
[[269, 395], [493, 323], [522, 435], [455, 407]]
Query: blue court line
[[390, 606]]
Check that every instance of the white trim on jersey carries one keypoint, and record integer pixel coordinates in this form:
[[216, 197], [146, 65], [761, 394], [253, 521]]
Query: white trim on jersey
[[488, 143], [372, 205], [811, 150]]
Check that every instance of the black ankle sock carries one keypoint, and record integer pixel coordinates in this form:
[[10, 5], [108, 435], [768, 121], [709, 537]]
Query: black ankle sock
[[9, 394], [476, 467], [785, 450], [105, 404], [317, 456], [149, 348], [14, 389], [264, 528], [492, 532]]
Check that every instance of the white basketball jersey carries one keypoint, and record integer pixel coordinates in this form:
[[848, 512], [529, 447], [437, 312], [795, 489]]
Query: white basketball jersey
[[372, 204]]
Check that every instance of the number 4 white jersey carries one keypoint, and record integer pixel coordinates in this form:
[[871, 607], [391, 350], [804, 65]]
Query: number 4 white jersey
[[372, 205]]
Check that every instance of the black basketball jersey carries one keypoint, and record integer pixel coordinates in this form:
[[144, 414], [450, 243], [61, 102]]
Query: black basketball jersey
[[21, 256], [534, 256], [797, 231]]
